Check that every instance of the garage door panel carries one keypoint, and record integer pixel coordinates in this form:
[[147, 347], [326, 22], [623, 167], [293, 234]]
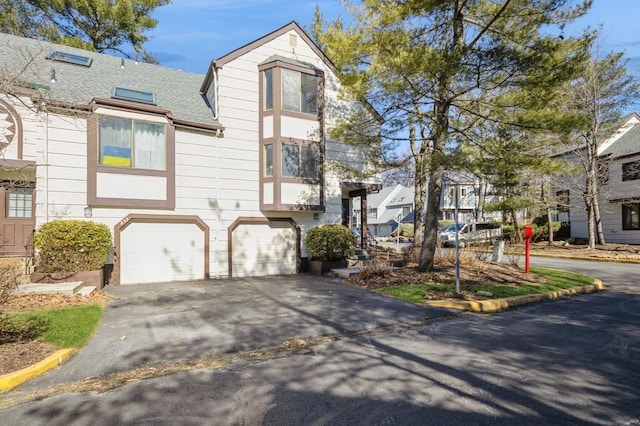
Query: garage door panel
[[160, 252], [263, 249]]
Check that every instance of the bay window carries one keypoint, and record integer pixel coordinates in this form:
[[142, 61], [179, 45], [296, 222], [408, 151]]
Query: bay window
[[300, 161], [299, 92], [268, 89]]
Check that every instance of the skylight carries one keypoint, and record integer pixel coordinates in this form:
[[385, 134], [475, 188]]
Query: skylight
[[70, 58], [134, 95]]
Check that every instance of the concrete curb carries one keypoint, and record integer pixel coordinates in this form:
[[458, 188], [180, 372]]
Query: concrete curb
[[494, 305], [11, 380], [590, 259]]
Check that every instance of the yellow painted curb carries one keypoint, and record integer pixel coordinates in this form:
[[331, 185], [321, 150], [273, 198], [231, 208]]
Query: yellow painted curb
[[493, 305], [11, 380]]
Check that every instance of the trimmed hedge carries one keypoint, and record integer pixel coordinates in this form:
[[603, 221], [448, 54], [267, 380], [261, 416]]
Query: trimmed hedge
[[71, 246], [330, 242]]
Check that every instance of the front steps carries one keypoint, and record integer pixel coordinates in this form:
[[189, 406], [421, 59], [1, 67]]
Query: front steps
[[67, 289]]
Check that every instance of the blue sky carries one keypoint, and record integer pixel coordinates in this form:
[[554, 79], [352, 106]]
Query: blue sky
[[191, 33]]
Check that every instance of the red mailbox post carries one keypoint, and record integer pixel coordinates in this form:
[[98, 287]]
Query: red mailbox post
[[528, 233]]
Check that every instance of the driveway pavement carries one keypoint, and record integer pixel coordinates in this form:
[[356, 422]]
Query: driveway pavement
[[172, 321]]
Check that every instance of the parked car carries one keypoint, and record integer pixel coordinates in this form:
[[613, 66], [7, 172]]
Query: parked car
[[470, 233]]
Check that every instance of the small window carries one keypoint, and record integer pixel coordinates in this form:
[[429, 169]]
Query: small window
[[372, 212], [19, 203], [134, 95], [210, 95], [299, 92], [463, 192], [631, 171], [132, 143], [631, 217], [70, 58], [268, 90], [300, 161], [268, 160]]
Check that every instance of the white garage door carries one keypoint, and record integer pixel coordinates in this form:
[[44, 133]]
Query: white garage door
[[161, 252], [260, 249]]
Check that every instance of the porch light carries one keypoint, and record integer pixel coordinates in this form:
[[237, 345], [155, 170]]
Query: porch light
[[53, 79], [88, 212]]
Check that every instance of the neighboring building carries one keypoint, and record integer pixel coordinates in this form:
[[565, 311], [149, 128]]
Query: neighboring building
[[197, 176], [389, 206], [619, 189], [468, 186]]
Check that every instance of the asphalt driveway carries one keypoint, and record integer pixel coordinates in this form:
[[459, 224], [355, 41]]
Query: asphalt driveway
[[172, 321]]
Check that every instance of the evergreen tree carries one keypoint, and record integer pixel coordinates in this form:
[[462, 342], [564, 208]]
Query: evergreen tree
[[435, 69], [96, 25]]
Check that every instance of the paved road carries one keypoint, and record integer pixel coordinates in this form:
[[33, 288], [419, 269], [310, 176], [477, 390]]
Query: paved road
[[621, 276], [573, 361]]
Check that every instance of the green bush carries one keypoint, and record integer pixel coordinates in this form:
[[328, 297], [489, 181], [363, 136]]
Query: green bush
[[71, 246], [540, 232], [406, 230], [22, 327], [330, 242]]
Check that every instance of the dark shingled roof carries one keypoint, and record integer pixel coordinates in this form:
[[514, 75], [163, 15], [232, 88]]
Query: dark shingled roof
[[175, 90], [627, 144]]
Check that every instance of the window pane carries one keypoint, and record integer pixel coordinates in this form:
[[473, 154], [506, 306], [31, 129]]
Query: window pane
[[115, 141], [268, 89], [290, 160], [268, 160], [149, 144], [290, 90], [309, 90], [211, 96], [309, 162], [630, 216], [19, 202], [631, 171]]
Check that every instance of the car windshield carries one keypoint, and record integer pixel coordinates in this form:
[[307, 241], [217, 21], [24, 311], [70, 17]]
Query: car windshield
[[452, 227]]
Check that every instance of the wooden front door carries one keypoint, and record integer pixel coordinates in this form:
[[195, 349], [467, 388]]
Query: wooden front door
[[17, 221]]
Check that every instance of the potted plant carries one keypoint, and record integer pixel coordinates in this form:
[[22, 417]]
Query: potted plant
[[71, 250], [329, 247]]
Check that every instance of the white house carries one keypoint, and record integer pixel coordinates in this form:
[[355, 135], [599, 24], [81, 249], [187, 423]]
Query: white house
[[198, 176], [619, 189], [469, 188], [388, 207]]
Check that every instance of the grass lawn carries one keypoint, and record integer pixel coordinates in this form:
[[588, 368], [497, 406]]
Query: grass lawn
[[69, 327], [556, 280]]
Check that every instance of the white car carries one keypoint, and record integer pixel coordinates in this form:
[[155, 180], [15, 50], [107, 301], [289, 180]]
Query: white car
[[470, 233]]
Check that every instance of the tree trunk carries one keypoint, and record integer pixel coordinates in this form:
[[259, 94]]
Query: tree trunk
[[596, 216], [420, 189], [430, 241], [516, 226], [591, 227], [550, 225], [480, 208]]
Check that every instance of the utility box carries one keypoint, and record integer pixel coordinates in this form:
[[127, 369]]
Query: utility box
[[498, 250]]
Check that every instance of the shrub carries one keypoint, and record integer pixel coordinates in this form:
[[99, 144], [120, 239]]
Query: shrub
[[10, 272], [71, 246], [15, 328], [330, 242]]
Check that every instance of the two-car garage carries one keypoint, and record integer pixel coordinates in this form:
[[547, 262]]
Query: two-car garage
[[176, 248]]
